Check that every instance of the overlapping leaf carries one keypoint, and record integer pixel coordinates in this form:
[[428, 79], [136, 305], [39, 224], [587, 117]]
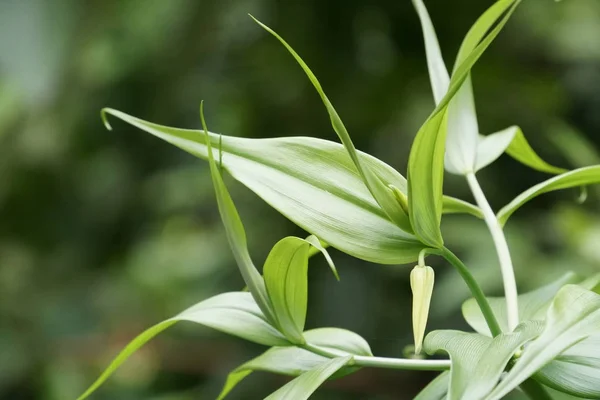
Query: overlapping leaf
[[378, 187], [285, 273], [477, 360], [294, 361], [573, 316], [426, 161], [303, 386], [312, 182], [576, 370], [235, 313], [236, 234], [436, 389]]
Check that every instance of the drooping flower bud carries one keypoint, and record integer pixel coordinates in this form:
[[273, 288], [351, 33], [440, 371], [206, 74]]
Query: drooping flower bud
[[421, 284]]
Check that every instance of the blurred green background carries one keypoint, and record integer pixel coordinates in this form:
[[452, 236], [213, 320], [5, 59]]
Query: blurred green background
[[103, 234]]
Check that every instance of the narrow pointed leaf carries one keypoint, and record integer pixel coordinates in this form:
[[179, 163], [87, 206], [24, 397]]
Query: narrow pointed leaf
[[521, 150], [237, 236], [235, 313], [294, 361], [377, 187], [318, 246], [436, 389], [285, 273], [438, 74], [492, 146], [578, 177], [303, 386], [426, 161], [478, 361], [312, 182], [573, 316]]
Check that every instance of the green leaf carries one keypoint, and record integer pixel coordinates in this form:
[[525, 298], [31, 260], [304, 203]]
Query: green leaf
[[578, 177], [477, 360], [320, 246], [378, 189], [576, 370], [236, 234], [312, 182], [285, 273], [377, 186], [438, 74], [520, 150], [235, 313], [303, 386], [294, 361], [573, 316], [532, 305], [436, 389], [426, 161]]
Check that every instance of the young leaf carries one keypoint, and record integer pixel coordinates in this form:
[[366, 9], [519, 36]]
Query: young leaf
[[478, 361], [235, 313], [312, 182], [303, 386], [285, 273], [492, 146], [462, 131], [294, 361], [425, 166], [573, 316], [319, 246], [436, 389], [438, 74], [377, 187], [236, 234], [578, 177]]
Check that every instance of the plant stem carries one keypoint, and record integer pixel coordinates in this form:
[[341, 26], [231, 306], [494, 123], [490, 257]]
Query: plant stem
[[382, 362], [506, 267], [474, 287], [534, 390]]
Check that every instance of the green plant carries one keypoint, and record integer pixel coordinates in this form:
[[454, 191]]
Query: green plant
[[354, 202]]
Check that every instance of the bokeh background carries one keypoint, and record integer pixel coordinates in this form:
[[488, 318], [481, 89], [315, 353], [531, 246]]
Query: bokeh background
[[103, 234]]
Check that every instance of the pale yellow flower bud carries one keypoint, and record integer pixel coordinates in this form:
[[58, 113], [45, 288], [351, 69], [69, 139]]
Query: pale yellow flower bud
[[421, 283]]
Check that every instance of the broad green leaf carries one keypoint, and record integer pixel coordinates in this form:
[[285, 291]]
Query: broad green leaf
[[520, 150], [438, 74], [378, 187], [576, 371], [573, 316], [312, 182], [294, 361], [303, 386], [426, 161], [436, 389], [236, 234], [235, 313], [477, 360], [578, 177], [285, 272], [532, 305]]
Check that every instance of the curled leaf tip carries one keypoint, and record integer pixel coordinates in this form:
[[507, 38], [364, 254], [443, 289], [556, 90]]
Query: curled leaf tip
[[104, 116]]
